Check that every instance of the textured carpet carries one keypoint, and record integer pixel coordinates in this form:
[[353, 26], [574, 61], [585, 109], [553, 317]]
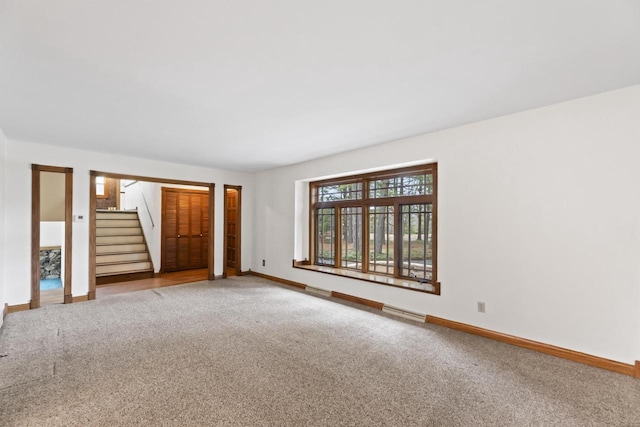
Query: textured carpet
[[247, 352]]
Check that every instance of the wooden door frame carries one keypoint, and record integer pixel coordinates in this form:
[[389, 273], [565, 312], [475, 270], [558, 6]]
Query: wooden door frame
[[162, 233], [35, 231], [92, 218], [238, 188]]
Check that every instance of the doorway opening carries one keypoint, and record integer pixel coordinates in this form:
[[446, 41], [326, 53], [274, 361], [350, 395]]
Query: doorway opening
[[51, 235], [232, 230], [139, 202]]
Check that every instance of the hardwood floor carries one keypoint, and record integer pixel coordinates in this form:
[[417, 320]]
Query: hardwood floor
[[166, 279], [52, 296]]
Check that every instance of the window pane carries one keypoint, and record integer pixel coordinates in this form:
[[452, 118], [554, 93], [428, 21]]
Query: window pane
[[415, 185], [416, 258], [326, 236], [329, 193], [100, 185], [351, 256], [381, 239]]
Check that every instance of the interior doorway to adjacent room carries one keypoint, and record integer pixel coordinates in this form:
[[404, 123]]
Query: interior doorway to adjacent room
[[140, 216], [232, 230], [51, 235]]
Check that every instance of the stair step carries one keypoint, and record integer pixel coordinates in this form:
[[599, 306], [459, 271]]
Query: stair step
[[117, 240], [122, 267], [148, 270], [116, 215], [102, 259], [117, 222], [120, 248], [109, 231]]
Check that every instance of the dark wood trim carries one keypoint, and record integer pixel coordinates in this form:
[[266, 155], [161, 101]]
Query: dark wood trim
[[312, 224], [363, 301], [434, 222], [277, 279], [92, 235], [149, 179], [211, 241], [574, 356], [365, 203], [35, 230], [68, 234], [35, 236], [564, 353], [378, 279], [81, 298], [44, 168], [382, 174], [238, 268], [18, 307]]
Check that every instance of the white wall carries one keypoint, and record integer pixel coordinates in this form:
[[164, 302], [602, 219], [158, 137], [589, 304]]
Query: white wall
[[152, 191], [3, 149], [538, 217], [20, 156]]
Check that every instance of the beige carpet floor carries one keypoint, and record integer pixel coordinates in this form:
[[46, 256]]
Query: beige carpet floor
[[247, 352]]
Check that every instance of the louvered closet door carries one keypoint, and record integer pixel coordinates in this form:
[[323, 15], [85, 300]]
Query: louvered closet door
[[186, 229], [198, 239], [170, 232]]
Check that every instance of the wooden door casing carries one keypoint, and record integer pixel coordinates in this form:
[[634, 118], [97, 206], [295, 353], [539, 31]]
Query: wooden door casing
[[231, 223], [232, 254], [185, 229]]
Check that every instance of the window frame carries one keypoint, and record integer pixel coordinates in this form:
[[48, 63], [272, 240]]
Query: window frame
[[105, 194], [365, 203]]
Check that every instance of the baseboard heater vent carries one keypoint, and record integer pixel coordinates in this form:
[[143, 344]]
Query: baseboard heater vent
[[404, 313], [318, 291]]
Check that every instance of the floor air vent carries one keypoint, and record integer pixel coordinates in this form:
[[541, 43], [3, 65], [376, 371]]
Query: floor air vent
[[318, 291], [403, 313]]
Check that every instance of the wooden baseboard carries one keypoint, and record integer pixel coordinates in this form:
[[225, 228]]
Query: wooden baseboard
[[363, 301], [564, 353], [91, 295], [277, 279], [18, 307], [81, 298], [575, 356]]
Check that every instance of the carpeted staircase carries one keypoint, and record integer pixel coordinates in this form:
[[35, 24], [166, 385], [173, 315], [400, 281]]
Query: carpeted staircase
[[121, 249]]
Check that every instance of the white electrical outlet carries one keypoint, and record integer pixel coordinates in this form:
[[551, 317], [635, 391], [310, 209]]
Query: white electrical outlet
[[480, 307]]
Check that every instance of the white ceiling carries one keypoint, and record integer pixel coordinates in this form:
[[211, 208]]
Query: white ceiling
[[251, 85]]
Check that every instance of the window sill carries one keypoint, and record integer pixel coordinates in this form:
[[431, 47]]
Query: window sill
[[373, 278]]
